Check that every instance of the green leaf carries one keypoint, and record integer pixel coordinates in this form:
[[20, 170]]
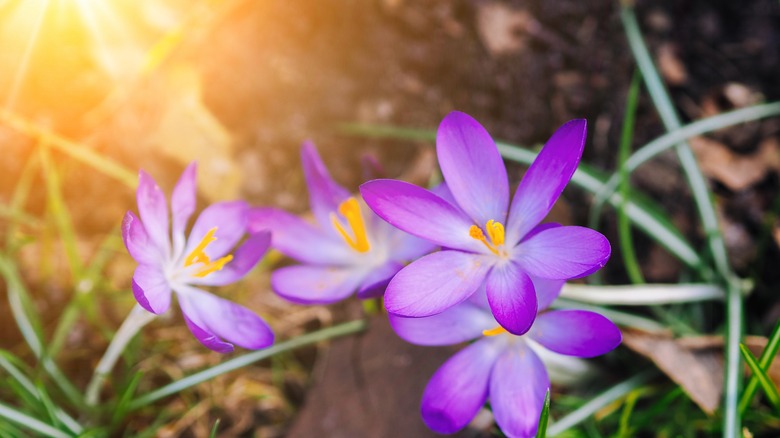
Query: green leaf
[[767, 356], [766, 383], [541, 432], [214, 429], [31, 423]]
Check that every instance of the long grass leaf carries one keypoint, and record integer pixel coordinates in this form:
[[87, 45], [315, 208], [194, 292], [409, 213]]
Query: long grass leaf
[[766, 383], [544, 417], [626, 241], [247, 359], [31, 423], [642, 295], [767, 356], [702, 198]]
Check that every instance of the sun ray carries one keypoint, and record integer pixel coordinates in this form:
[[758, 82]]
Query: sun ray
[[24, 63]]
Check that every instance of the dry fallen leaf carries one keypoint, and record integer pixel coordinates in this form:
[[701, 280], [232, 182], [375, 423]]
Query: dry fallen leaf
[[499, 27], [670, 65], [694, 363], [736, 171]]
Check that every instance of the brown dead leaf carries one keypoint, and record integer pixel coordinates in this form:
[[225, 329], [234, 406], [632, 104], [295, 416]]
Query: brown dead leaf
[[736, 171], [698, 372], [499, 27], [694, 363], [670, 65]]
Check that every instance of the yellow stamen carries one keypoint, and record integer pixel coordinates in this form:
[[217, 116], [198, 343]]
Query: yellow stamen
[[494, 331], [350, 210], [198, 255], [495, 239]]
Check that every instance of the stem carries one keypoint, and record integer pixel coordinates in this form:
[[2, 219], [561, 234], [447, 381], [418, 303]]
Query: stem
[[134, 322], [347, 328]]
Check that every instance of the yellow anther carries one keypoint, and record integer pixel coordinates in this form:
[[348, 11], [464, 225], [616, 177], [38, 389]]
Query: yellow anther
[[198, 255], [495, 240], [496, 232], [350, 210], [494, 331]]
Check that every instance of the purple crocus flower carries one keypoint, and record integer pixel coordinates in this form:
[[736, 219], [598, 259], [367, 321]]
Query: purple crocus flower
[[499, 366], [491, 243], [349, 249], [170, 262]]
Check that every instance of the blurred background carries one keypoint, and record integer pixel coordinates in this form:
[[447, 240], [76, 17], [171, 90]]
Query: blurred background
[[237, 85]]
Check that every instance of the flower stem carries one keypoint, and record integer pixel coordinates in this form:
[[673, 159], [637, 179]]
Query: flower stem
[[134, 322]]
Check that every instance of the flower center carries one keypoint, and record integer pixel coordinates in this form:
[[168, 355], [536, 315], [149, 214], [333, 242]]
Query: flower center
[[495, 238], [350, 210], [198, 255], [494, 331]]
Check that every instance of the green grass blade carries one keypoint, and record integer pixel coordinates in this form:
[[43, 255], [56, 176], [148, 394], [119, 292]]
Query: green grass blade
[[120, 410], [247, 359], [693, 129], [767, 356], [642, 295], [595, 404], [74, 150], [701, 195], [214, 429], [544, 417], [626, 241], [31, 423], [766, 383], [30, 328], [59, 212], [619, 317]]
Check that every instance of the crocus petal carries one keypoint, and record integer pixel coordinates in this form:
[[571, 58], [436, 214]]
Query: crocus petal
[[230, 219], [244, 259], [183, 203], [154, 211], [512, 298], [223, 319], [576, 333], [421, 213], [151, 289], [563, 253], [460, 323], [544, 181], [324, 194], [296, 238], [376, 281], [435, 283], [305, 284], [137, 241], [473, 168], [459, 388], [518, 385], [546, 291]]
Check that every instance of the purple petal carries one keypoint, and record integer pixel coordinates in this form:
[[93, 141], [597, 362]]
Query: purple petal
[[324, 194], [296, 238], [459, 388], [518, 385], [563, 253], [435, 283], [151, 289], [460, 323], [421, 213], [137, 241], [546, 291], [216, 319], [230, 219], [404, 247], [153, 210], [183, 203], [512, 297], [244, 259], [576, 333], [545, 179], [306, 284], [473, 168], [375, 283]]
